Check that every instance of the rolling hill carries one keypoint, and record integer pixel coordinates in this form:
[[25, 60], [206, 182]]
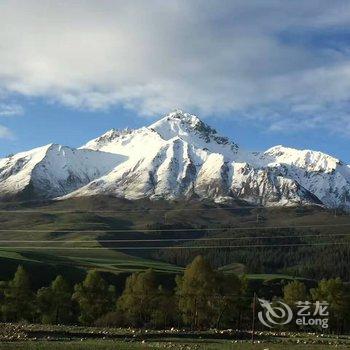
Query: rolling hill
[[119, 236]]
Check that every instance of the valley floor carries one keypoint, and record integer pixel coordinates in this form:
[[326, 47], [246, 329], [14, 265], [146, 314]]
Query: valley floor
[[40, 337], [110, 345]]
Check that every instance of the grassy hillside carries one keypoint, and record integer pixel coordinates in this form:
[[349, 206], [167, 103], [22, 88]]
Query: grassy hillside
[[74, 235]]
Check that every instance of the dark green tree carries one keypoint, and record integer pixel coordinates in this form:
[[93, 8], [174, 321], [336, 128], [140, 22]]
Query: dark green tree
[[166, 311], [293, 292], [337, 295], [94, 297], [54, 302], [140, 298], [196, 291], [229, 301], [18, 298]]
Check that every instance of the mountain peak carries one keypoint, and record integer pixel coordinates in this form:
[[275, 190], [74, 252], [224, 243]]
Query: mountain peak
[[190, 128], [179, 114], [177, 157], [306, 159], [176, 119]]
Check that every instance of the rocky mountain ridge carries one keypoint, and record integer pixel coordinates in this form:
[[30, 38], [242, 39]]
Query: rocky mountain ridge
[[177, 157]]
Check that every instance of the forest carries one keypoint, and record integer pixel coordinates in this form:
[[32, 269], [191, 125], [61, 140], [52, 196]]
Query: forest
[[202, 298]]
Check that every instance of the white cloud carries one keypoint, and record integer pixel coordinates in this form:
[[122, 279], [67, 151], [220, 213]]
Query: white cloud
[[8, 110], [153, 56], [5, 133]]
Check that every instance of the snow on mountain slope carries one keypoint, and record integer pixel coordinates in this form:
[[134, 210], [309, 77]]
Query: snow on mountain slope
[[178, 157], [192, 130], [52, 170], [15, 171], [306, 159], [172, 158], [268, 186], [184, 126], [130, 143], [322, 175], [162, 171]]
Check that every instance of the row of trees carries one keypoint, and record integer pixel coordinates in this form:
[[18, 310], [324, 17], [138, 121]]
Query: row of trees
[[203, 298], [332, 291], [313, 262]]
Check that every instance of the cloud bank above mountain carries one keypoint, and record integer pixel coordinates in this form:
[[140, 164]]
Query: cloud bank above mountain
[[284, 64]]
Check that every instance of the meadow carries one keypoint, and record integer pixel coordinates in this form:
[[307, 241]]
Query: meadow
[[70, 237]]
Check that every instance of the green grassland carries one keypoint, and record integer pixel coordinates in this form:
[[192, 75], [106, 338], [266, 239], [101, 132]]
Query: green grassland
[[60, 232]]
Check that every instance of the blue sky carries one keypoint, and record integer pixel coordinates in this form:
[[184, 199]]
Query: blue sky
[[262, 73]]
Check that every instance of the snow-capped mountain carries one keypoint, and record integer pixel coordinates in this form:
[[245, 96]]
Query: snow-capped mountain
[[52, 170], [178, 157]]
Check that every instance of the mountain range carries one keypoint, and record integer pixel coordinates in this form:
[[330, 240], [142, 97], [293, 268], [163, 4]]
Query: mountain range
[[178, 157]]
